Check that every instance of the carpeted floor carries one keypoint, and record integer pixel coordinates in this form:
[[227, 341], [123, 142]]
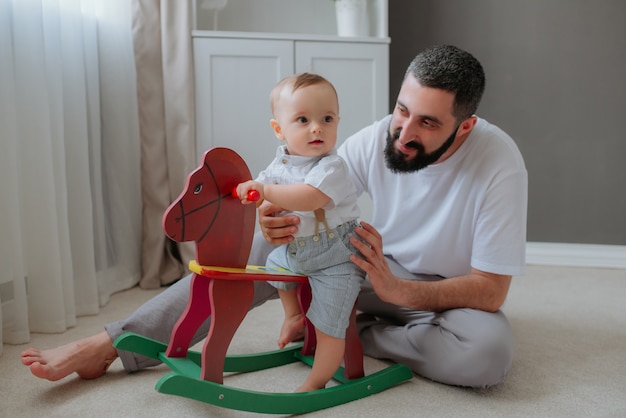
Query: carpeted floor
[[569, 326]]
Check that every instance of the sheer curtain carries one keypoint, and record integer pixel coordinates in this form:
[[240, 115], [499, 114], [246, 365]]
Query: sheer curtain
[[70, 194], [164, 62]]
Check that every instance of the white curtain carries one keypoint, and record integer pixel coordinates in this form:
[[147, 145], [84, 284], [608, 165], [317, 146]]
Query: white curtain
[[70, 197], [164, 62]]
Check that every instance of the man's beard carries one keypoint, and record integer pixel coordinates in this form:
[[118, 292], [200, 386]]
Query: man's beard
[[397, 162]]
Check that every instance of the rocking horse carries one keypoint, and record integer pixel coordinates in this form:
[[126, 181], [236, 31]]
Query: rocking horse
[[222, 287]]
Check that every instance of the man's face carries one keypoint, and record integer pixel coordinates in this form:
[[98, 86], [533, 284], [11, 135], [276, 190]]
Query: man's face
[[398, 162], [422, 130]]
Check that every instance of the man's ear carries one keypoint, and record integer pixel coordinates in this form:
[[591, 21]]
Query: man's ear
[[276, 128], [467, 125]]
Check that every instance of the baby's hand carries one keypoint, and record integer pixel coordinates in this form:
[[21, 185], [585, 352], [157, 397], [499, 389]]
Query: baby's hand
[[250, 191]]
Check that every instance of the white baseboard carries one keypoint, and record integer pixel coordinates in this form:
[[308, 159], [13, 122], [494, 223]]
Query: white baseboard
[[576, 255]]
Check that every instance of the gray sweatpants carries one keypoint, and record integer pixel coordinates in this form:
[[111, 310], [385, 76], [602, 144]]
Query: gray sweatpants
[[464, 347]]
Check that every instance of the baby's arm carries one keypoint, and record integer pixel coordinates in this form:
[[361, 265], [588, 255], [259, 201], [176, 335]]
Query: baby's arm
[[291, 197], [295, 197]]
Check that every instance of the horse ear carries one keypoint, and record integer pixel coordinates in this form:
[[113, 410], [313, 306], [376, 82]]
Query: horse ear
[[206, 157]]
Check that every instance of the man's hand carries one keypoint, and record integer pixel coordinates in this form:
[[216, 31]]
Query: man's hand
[[374, 263], [476, 290], [277, 230]]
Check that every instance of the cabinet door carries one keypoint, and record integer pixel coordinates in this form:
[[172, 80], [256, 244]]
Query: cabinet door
[[360, 74], [233, 80]]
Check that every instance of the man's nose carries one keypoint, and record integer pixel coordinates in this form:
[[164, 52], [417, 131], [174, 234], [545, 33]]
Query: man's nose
[[407, 134]]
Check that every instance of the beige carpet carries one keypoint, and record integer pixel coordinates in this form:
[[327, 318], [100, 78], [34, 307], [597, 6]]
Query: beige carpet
[[569, 325]]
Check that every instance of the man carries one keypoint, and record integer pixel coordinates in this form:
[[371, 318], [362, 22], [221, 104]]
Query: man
[[447, 234]]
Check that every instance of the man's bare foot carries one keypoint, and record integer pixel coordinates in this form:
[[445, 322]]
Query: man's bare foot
[[292, 330], [89, 358]]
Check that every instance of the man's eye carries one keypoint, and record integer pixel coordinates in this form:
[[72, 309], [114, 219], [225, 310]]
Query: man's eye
[[197, 189]]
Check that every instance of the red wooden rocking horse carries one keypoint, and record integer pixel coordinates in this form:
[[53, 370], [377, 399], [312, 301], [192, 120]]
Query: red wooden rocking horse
[[222, 287]]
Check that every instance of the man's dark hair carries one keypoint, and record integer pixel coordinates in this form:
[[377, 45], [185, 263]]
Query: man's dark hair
[[451, 69]]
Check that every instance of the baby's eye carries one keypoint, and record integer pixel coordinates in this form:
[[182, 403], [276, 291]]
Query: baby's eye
[[328, 119], [302, 119], [197, 189]]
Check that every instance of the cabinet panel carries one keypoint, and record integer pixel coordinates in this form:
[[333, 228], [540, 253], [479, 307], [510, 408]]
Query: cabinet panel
[[233, 79], [359, 72], [234, 76]]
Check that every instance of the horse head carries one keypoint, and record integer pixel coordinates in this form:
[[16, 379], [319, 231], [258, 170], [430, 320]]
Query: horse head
[[207, 213]]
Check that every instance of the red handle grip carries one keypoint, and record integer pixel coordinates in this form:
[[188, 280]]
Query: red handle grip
[[253, 195]]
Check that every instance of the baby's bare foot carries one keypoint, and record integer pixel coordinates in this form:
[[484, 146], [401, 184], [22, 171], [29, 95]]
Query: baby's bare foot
[[89, 358], [307, 388], [292, 330]]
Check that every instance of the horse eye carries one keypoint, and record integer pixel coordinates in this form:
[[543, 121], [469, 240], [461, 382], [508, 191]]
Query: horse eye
[[198, 189]]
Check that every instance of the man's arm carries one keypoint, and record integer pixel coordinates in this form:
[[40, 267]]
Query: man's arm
[[477, 290]]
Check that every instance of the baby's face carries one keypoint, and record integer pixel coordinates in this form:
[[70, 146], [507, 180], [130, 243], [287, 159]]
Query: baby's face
[[308, 120]]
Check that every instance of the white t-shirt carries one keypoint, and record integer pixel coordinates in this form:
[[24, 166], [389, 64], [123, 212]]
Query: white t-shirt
[[329, 174], [468, 211]]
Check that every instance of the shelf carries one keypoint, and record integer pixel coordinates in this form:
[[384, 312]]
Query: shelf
[[286, 36], [288, 17]]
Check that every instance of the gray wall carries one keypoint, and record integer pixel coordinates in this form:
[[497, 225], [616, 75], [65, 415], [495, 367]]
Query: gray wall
[[556, 83]]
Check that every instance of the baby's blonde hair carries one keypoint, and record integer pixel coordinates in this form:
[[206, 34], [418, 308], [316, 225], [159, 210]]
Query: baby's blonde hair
[[296, 82]]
